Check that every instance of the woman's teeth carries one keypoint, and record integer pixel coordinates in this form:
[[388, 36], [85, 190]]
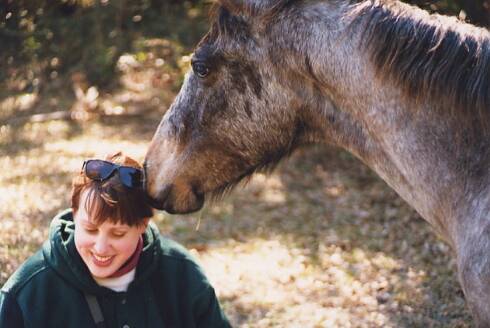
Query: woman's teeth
[[102, 258]]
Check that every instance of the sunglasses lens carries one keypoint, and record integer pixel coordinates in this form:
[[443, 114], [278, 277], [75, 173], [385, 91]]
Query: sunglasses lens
[[98, 170], [130, 177]]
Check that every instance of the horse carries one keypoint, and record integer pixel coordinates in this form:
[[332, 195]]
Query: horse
[[405, 91]]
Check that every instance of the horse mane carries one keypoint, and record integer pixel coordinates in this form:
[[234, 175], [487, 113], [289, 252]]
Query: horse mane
[[431, 57]]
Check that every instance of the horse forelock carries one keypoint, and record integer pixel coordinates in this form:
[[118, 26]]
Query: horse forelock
[[255, 7], [434, 59], [225, 14]]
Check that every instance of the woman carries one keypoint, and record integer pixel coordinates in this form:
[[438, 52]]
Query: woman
[[106, 265]]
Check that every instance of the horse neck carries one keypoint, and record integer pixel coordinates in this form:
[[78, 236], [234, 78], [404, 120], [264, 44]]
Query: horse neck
[[422, 153], [424, 157]]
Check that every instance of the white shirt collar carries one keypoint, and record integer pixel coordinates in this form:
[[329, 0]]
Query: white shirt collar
[[118, 284]]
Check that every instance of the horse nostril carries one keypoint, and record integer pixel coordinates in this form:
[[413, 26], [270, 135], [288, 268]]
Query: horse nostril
[[198, 194]]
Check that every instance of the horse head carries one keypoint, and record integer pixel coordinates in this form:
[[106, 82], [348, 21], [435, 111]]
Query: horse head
[[241, 108]]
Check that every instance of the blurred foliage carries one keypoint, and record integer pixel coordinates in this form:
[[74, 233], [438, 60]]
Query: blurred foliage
[[43, 40], [50, 39], [474, 11]]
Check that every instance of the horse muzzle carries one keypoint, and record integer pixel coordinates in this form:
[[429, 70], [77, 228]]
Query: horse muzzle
[[177, 199]]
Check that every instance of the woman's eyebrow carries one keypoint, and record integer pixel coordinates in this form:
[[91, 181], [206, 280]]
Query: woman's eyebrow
[[120, 228], [86, 221]]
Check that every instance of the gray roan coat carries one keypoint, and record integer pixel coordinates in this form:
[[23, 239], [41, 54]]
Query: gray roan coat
[[405, 91]]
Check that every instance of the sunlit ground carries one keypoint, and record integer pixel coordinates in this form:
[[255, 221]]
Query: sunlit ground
[[321, 242]]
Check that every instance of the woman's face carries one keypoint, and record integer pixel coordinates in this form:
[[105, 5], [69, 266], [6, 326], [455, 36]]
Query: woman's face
[[104, 247]]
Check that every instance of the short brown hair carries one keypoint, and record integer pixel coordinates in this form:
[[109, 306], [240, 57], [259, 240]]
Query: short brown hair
[[110, 199]]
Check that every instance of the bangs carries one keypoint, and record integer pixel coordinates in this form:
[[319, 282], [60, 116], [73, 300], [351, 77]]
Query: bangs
[[104, 203]]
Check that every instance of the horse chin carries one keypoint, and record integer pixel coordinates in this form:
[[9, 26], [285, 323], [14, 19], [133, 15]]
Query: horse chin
[[225, 188], [173, 209], [192, 202]]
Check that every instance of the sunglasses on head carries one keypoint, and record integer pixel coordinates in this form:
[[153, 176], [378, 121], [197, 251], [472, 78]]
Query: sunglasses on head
[[99, 170]]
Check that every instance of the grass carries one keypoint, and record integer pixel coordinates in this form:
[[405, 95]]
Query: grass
[[321, 242]]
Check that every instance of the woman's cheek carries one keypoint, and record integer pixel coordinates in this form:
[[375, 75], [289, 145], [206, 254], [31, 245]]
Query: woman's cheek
[[83, 240], [124, 246]]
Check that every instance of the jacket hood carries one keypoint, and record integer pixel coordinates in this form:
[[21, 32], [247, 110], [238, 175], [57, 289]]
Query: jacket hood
[[62, 256]]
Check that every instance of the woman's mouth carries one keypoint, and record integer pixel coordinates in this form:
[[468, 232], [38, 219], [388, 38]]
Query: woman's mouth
[[102, 260]]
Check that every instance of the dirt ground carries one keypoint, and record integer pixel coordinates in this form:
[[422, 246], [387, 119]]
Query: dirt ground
[[320, 242]]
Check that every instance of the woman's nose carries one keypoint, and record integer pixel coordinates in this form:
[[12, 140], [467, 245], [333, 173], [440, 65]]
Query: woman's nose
[[101, 245]]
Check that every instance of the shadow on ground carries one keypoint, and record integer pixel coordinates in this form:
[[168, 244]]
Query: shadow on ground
[[348, 229], [321, 242]]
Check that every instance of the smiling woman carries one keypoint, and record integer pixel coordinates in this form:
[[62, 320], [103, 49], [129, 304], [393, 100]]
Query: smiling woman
[[106, 264], [107, 246]]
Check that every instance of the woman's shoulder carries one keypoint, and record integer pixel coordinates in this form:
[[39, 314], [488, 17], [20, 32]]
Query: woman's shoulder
[[36, 267], [28, 272], [172, 249], [166, 247], [176, 262], [173, 252]]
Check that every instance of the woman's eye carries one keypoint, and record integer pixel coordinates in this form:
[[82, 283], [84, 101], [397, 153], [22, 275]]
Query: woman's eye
[[200, 69]]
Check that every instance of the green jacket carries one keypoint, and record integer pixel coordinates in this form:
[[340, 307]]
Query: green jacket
[[169, 290]]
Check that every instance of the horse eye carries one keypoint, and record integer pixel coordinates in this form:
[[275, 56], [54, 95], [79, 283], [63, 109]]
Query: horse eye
[[200, 69]]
